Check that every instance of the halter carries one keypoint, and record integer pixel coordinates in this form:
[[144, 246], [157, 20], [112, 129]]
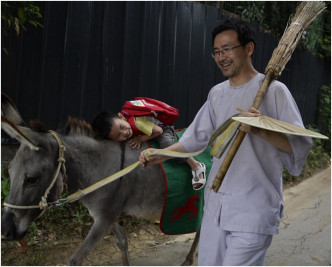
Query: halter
[[61, 166]]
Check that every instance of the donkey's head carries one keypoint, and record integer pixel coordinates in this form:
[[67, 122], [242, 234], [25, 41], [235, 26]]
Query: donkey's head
[[31, 172]]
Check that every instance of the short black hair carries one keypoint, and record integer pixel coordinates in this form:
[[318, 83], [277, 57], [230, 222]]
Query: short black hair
[[103, 123], [244, 31]]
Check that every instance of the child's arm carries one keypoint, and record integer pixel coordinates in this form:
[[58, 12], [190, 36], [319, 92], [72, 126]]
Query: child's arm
[[136, 141]]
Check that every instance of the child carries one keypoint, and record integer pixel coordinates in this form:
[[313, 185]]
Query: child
[[117, 128]]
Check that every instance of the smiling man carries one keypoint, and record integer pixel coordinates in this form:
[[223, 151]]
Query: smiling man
[[241, 218]]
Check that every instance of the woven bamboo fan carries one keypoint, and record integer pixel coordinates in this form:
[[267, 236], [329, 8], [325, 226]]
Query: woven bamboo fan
[[305, 13], [267, 123]]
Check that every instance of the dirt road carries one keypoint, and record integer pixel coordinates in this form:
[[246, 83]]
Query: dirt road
[[305, 230], [304, 238]]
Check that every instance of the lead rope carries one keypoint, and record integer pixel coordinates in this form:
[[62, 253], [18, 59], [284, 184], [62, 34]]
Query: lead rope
[[81, 193]]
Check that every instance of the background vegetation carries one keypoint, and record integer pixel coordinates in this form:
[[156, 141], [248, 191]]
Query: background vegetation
[[15, 16], [273, 16]]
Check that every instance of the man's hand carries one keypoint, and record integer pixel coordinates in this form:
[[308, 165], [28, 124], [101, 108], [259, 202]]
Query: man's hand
[[145, 161], [247, 128], [279, 140]]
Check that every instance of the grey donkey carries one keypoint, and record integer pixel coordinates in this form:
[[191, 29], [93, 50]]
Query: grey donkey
[[87, 160]]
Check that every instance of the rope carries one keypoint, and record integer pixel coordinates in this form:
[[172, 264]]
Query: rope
[[297, 24], [81, 193], [61, 165], [20, 207]]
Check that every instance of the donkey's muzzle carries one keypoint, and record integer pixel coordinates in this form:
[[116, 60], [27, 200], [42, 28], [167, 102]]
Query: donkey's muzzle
[[8, 228]]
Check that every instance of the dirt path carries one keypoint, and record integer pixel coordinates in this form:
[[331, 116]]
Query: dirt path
[[304, 237], [305, 230]]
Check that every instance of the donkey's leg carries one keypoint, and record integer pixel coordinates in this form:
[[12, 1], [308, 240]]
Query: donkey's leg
[[190, 257], [121, 241], [98, 230]]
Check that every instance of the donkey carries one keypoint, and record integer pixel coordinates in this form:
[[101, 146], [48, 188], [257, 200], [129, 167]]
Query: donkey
[[87, 160]]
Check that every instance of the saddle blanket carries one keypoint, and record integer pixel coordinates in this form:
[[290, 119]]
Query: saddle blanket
[[183, 206]]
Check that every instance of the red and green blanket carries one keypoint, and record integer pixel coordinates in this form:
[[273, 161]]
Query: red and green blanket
[[183, 206]]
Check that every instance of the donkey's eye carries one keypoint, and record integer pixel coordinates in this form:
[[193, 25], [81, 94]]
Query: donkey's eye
[[31, 180]]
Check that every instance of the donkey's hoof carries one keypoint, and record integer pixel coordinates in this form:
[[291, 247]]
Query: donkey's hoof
[[188, 262], [72, 262]]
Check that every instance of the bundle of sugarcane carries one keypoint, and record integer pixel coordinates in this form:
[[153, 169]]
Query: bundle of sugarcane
[[306, 12]]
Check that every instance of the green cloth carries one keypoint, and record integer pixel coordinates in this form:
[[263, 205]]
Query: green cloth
[[183, 206]]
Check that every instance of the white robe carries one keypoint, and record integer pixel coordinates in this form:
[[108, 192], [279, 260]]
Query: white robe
[[250, 198]]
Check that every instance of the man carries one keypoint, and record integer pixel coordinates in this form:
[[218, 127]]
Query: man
[[241, 218]]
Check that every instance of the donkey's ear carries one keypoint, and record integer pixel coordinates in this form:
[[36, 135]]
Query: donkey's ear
[[20, 133], [9, 110]]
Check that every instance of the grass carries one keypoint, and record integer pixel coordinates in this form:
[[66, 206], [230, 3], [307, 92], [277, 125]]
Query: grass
[[317, 159]]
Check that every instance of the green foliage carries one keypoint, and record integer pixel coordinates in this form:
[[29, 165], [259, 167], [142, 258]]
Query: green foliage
[[5, 183], [33, 229], [317, 37], [15, 16], [273, 17], [324, 110], [317, 159], [80, 215], [253, 12]]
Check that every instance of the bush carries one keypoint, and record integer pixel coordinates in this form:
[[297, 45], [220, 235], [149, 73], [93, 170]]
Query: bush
[[5, 183], [323, 115], [317, 159]]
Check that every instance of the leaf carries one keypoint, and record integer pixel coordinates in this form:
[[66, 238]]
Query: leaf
[[17, 26], [21, 14], [5, 51], [32, 22]]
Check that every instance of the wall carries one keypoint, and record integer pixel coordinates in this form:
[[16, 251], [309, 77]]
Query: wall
[[93, 56]]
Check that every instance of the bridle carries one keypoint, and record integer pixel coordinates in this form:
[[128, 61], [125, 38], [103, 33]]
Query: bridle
[[43, 204], [61, 166]]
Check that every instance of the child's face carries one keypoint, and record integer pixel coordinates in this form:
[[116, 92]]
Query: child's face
[[120, 131]]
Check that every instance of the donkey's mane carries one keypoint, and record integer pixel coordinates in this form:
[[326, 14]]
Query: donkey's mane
[[37, 126], [75, 126]]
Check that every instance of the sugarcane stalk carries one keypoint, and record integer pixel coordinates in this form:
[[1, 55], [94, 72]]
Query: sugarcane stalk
[[306, 12]]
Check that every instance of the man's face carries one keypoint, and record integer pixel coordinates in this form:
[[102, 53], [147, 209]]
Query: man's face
[[120, 131], [234, 57]]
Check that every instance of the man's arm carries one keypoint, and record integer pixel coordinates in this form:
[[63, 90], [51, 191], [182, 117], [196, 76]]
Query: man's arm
[[279, 140]]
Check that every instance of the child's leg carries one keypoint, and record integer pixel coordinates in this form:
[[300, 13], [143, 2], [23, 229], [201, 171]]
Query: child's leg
[[195, 166], [166, 139]]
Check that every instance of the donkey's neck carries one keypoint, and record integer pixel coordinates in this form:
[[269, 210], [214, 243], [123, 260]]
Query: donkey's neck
[[89, 160]]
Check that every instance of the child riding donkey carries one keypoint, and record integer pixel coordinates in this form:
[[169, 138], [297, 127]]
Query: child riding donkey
[[144, 119]]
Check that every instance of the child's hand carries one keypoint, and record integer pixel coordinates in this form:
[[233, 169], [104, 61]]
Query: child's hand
[[135, 142]]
